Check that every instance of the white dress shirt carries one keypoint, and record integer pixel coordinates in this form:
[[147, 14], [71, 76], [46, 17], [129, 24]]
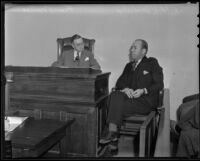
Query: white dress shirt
[[76, 54], [138, 62]]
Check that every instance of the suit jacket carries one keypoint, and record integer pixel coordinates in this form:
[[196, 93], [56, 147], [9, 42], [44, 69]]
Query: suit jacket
[[86, 60], [148, 74], [189, 144], [188, 115]]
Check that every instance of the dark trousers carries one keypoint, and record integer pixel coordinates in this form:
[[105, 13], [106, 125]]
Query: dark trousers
[[120, 106]]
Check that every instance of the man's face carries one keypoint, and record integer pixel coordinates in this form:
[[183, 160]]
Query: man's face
[[78, 44], [136, 51]]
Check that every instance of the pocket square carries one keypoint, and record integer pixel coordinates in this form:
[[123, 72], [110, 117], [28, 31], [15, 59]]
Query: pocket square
[[87, 58], [145, 72]]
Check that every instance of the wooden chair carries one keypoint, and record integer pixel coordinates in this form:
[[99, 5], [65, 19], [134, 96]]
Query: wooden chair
[[144, 126], [66, 44]]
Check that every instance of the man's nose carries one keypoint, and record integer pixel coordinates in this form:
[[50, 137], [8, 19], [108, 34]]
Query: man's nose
[[131, 49]]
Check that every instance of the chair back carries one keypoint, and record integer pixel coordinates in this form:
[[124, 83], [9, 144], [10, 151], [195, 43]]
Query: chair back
[[160, 98], [66, 44]]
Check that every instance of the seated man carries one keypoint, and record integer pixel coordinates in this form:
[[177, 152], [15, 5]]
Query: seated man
[[137, 89], [187, 129], [78, 57]]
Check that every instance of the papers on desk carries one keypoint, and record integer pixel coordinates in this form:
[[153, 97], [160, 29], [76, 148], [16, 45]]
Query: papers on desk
[[12, 122]]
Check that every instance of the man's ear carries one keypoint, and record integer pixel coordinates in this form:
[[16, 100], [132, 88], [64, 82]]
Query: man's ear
[[144, 51]]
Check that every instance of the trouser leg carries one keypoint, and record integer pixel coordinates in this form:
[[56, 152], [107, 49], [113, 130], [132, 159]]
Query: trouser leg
[[120, 105], [115, 107]]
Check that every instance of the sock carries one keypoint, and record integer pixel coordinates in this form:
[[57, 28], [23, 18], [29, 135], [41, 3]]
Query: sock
[[112, 127]]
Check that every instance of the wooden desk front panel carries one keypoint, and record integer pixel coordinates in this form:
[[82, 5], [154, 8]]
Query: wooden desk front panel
[[52, 89], [62, 97]]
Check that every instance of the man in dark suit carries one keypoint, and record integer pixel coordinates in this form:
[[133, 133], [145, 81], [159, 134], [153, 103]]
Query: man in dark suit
[[137, 89], [78, 57]]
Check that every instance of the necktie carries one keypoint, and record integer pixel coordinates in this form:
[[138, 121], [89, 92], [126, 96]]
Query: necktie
[[77, 57], [134, 65]]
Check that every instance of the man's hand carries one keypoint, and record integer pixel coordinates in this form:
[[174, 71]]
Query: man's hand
[[129, 92], [137, 93]]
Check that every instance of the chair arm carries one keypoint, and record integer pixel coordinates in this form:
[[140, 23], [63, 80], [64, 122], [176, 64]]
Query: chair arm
[[101, 99], [190, 98], [160, 109], [105, 96]]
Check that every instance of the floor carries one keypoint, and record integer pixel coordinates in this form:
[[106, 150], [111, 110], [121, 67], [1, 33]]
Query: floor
[[125, 145], [126, 148]]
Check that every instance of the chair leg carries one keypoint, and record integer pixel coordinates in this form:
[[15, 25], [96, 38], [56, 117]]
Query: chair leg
[[149, 139], [146, 140], [142, 143]]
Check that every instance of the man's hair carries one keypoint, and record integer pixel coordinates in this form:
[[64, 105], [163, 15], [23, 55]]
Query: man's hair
[[74, 37], [144, 44]]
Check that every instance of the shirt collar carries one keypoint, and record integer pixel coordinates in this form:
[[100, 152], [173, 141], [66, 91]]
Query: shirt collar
[[138, 62], [75, 54]]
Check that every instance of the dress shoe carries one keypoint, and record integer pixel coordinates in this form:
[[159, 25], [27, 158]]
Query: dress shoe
[[111, 136]]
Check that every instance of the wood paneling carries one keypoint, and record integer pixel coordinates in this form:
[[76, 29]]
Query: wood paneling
[[58, 93]]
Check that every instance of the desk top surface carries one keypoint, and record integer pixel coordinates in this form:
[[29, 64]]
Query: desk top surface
[[56, 71], [33, 132]]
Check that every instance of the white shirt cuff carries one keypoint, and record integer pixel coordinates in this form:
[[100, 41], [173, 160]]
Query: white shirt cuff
[[145, 91]]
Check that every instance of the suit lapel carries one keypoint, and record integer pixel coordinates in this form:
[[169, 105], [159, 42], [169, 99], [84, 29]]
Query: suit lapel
[[82, 56], [140, 67]]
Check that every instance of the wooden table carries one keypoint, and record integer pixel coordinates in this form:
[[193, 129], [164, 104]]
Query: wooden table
[[36, 136]]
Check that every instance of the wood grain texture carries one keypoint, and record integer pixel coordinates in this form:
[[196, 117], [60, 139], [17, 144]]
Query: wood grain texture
[[60, 94], [36, 136]]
